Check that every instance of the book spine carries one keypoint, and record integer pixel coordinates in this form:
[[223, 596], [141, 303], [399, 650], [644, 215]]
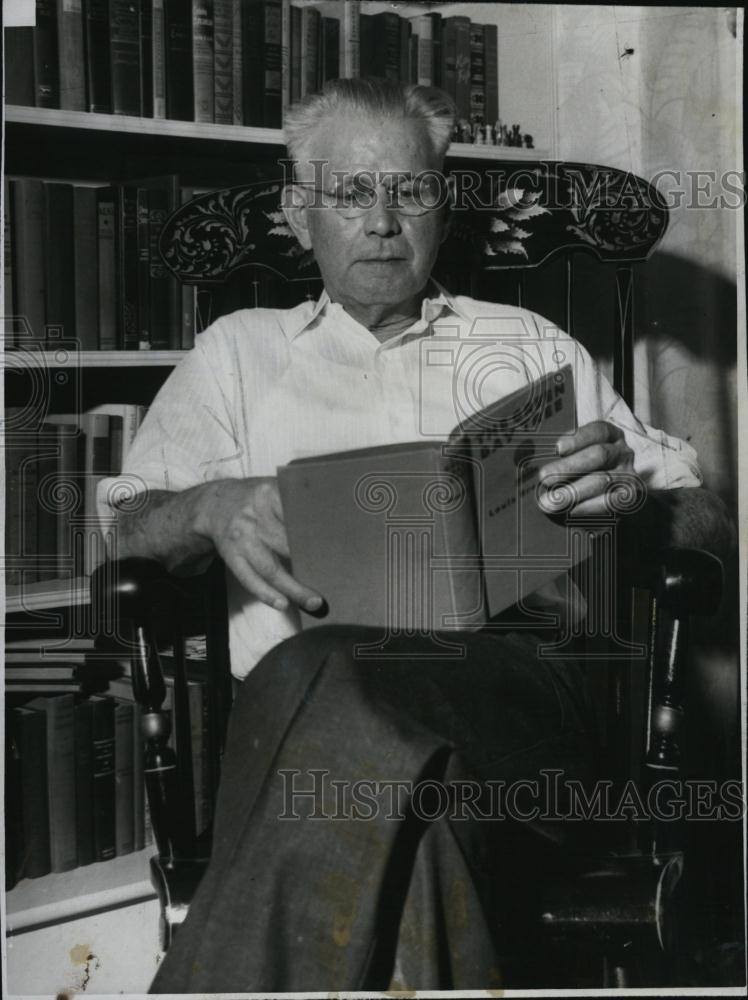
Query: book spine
[[123, 777], [158, 58], [103, 779], [85, 267], [127, 267], [295, 55], [423, 26], [331, 62], [223, 62], [84, 783], [449, 58], [202, 60], [285, 84], [95, 427], [107, 270], [27, 198], [59, 261], [146, 57], [124, 56], [238, 63], [436, 48], [179, 83], [350, 40], [272, 77], [46, 56], [47, 514], [19, 66], [186, 302], [70, 47], [70, 461], [310, 31], [116, 444], [162, 297], [491, 71], [98, 71], [413, 54], [462, 67], [144, 268], [406, 29], [386, 48], [253, 63], [477, 74], [61, 773], [9, 293], [366, 44], [30, 727]]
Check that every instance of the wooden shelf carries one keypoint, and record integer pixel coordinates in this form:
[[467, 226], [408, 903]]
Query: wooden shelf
[[62, 895], [53, 118], [47, 594], [93, 359]]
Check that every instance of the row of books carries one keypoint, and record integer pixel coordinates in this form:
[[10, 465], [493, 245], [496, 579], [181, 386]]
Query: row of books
[[75, 790], [239, 62], [84, 261], [52, 473]]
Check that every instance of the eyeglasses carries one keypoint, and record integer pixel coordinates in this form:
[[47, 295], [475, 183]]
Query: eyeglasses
[[359, 194]]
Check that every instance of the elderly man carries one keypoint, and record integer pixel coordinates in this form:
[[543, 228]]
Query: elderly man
[[388, 898]]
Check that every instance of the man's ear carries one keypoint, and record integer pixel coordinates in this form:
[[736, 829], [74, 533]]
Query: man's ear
[[294, 206]]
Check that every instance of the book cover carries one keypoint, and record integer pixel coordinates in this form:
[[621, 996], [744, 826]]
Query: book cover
[[202, 60], [223, 62], [28, 220], [98, 70], [84, 770], [491, 70], [85, 266], [60, 726], [106, 243], [30, 737], [477, 74], [124, 57], [102, 710], [19, 66], [72, 62], [59, 257], [433, 535], [123, 777], [146, 58], [179, 83], [46, 56], [158, 58], [238, 63]]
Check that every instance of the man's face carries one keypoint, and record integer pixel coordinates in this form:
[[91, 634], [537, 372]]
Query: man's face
[[380, 257]]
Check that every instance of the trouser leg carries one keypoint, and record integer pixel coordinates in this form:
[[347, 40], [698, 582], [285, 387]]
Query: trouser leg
[[316, 904]]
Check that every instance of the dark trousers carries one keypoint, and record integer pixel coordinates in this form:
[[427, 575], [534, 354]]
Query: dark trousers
[[392, 873]]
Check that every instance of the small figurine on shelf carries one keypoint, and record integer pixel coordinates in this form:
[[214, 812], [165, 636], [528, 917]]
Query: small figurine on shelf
[[529, 142], [477, 132], [516, 136]]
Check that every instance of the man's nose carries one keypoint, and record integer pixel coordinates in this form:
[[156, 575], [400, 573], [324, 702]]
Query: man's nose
[[381, 218]]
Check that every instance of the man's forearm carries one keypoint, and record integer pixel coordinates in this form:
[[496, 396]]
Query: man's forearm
[[165, 528], [691, 518]]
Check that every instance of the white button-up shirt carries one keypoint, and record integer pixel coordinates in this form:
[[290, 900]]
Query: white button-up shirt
[[265, 386]]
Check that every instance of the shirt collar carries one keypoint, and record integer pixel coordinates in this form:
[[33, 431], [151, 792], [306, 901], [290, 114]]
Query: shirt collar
[[302, 317]]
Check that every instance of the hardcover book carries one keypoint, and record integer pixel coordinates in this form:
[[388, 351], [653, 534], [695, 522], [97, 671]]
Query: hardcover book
[[433, 534]]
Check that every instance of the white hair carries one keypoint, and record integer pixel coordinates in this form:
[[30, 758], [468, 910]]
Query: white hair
[[374, 97]]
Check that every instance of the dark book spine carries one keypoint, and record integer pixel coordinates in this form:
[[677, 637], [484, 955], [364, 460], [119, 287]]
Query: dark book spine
[[123, 777], [47, 513], [158, 58], [146, 57], [72, 62], [272, 79], [252, 63], [60, 710], [124, 55], [477, 74], [202, 60], [84, 770], [491, 71], [386, 48], [413, 52], [179, 83], [46, 56], [70, 463], [19, 66], [59, 260], [162, 298], [449, 57], [30, 729], [106, 204], [86, 268], [127, 267], [223, 62], [97, 56], [436, 49], [27, 198], [462, 67], [103, 778], [310, 31], [187, 299], [295, 55], [20, 491], [116, 444], [406, 29], [331, 62], [238, 63], [366, 44], [144, 268]]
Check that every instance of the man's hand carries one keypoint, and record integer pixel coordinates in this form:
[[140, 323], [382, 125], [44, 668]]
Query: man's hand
[[244, 520], [591, 461]]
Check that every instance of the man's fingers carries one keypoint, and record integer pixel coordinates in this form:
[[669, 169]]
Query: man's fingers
[[596, 432], [593, 458], [563, 495], [262, 574]]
